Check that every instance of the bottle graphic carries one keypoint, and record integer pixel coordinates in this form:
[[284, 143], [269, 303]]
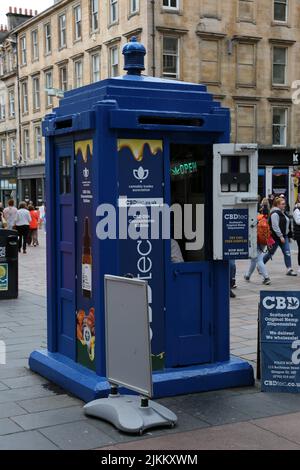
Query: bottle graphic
[[87, 261]]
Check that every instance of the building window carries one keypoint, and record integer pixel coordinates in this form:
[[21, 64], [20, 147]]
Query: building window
[[113, 11], [23, 50], [62, 30], [11, 101], [3, 152], [49, 85], [170, 57], [281, 10], [37, 142], [24, 88], [95, 67], [94, 9], [246, 10], [12, 150], [2, 108], [280, 116], [210, 63], [246, 64], [36, 93], [134, 6], [77, 22], [48, 40], [26, 145], [63, 78], [78, 73], [171, 4], [246, 123], [35, 44], [114, 61], [279, 65]]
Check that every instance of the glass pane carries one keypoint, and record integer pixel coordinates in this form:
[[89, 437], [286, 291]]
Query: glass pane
[[279, 55], [65, 175], [280, 11], [279, 74]]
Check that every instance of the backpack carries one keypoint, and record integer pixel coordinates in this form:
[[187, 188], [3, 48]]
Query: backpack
[[263, 230]]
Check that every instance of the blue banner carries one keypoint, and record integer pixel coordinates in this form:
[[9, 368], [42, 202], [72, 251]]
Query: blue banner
[[235, 234], [280, 341]]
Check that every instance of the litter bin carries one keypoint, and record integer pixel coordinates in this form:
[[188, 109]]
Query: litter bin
[[8, 264]]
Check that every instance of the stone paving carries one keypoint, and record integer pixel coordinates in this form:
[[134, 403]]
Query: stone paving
[[35, 414]]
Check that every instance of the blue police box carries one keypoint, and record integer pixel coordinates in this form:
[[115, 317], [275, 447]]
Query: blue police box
[[122, 142]]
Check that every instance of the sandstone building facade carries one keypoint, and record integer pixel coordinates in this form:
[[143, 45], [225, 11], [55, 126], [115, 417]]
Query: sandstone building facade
[[245, 51]]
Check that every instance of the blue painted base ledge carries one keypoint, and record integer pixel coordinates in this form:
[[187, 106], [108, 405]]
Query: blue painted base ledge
[[88, 386]]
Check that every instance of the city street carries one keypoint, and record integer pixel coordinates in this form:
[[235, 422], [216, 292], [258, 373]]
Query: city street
[[35, 414]]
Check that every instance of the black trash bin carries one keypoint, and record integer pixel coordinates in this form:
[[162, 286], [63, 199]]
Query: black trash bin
[[8, 264]]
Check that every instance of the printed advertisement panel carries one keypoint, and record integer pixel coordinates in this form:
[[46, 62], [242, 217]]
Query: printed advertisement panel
[[235, 234], [85, 315], [141, 186], [280, 341], [3, 277]]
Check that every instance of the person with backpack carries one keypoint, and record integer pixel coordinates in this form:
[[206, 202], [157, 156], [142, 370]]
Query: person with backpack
[[264, 240], [281, 233], [296, 230]]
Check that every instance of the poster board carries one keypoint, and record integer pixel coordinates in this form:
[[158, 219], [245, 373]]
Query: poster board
[[128, 351]]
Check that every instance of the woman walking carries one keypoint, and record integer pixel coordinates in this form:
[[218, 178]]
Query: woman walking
[[296, 220], [280, 228], [33, 226], [22, 223]]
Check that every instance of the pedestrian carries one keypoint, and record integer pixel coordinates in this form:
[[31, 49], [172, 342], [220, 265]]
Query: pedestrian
[[280, 229], [296, 230], [33, 226], [3, 223], [265, 206], [10, 214], [22, 223], [265, 242]]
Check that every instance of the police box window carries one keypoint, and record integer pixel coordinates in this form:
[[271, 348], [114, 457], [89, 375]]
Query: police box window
[[65, 175], [235, 176]]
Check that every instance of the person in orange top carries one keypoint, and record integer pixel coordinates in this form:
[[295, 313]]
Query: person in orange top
[[33, 226]]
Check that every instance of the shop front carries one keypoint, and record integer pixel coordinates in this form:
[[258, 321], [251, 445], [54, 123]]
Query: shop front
[[31, 184], [8, 184], [275, 173]]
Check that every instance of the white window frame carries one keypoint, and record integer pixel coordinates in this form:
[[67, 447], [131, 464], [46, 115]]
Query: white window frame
[[63, 84], [77, 13], [169, 6], [285, 65], [24, 88], [2, 108], [48, 38], [38, 150], [78, 78], [94, 15], [11, 102], [3, 143], [12, 149], [35, 44], [113, 11], [167, 75], [112, 64], [286, 3], [49, 84], [96, 73], [26, 144], [23, 50], [62, 31], [36, 92], [134, 6], [285, 125]]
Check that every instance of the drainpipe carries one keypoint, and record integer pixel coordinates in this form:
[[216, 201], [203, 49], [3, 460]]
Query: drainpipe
[[153, 39], [19, 113]]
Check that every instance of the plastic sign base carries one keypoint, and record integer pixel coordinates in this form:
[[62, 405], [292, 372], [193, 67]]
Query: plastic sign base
[[126, 413]]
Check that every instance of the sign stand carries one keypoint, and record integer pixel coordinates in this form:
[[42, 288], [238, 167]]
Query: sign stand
[[128, 360]]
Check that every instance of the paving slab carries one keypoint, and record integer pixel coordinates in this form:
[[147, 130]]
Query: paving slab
[[49, 418]]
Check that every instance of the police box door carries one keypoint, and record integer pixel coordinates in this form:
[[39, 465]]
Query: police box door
[[189, 289], [65, 248]]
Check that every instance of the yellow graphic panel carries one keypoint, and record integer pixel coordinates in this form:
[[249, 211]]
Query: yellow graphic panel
[[82, 146], [137, 147]]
